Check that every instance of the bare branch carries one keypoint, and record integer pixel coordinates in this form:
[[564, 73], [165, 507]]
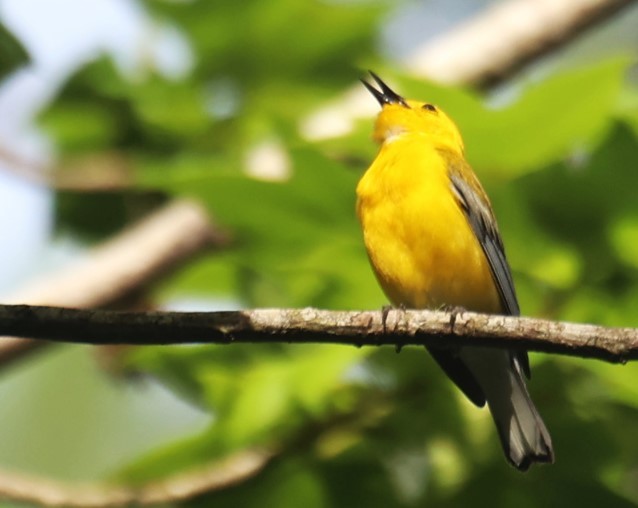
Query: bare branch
[[214, 477], [493, 45], [121, 266], [356, 328]]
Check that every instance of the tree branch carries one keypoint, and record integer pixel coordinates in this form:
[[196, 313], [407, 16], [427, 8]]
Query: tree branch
[[356, 328], [216, 476], [121, 266], [502, 39]]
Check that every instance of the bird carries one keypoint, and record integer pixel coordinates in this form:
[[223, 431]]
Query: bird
[[433, 242]]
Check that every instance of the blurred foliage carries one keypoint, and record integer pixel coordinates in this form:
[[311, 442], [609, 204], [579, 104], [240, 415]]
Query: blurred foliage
[[366, 427], [12, 53]]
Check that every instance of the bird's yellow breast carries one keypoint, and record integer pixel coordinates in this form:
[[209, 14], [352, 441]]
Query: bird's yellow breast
[[420, 244]]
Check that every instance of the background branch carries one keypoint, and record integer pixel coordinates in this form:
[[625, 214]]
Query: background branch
[[121, 266], [214, 477], [358, 328], [502, 39]]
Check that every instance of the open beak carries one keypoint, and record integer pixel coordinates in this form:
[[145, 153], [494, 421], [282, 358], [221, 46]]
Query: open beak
[[386, 95]]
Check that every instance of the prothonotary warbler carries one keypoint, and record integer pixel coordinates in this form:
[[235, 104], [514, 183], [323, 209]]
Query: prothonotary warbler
[[433, 241]]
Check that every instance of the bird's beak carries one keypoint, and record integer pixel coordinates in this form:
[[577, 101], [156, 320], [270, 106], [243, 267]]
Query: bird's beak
[[386, 95]]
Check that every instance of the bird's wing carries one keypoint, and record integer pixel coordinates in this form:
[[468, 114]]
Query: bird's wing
[[478, 211]]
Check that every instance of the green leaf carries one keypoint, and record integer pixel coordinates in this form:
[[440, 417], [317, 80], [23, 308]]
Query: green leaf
[[310, 217], [288, 484], [12, 53], [552, 120]]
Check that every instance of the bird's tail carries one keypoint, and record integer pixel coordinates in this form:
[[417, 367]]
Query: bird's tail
[[523, 434]]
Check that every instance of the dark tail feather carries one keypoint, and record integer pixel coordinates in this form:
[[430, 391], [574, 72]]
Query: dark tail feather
[[523, 434]]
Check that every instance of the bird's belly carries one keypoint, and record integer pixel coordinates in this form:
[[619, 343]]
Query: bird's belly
[[425, 254]]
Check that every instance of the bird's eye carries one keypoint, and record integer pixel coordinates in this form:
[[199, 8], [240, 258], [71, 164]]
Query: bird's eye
[[429, 107]]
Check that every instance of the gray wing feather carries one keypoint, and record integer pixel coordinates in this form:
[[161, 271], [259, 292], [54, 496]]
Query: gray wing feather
[[482, 221], [479, 215]]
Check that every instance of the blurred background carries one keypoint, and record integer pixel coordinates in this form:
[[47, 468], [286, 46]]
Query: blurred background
[[250, 114]]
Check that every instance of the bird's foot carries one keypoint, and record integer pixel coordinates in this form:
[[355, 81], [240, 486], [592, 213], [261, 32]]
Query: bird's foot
[[385, 310], [454, 311]]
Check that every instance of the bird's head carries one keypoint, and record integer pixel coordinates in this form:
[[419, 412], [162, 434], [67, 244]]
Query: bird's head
[[399, 117]]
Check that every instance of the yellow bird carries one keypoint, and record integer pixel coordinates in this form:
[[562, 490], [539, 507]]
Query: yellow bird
[[433, 241]]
